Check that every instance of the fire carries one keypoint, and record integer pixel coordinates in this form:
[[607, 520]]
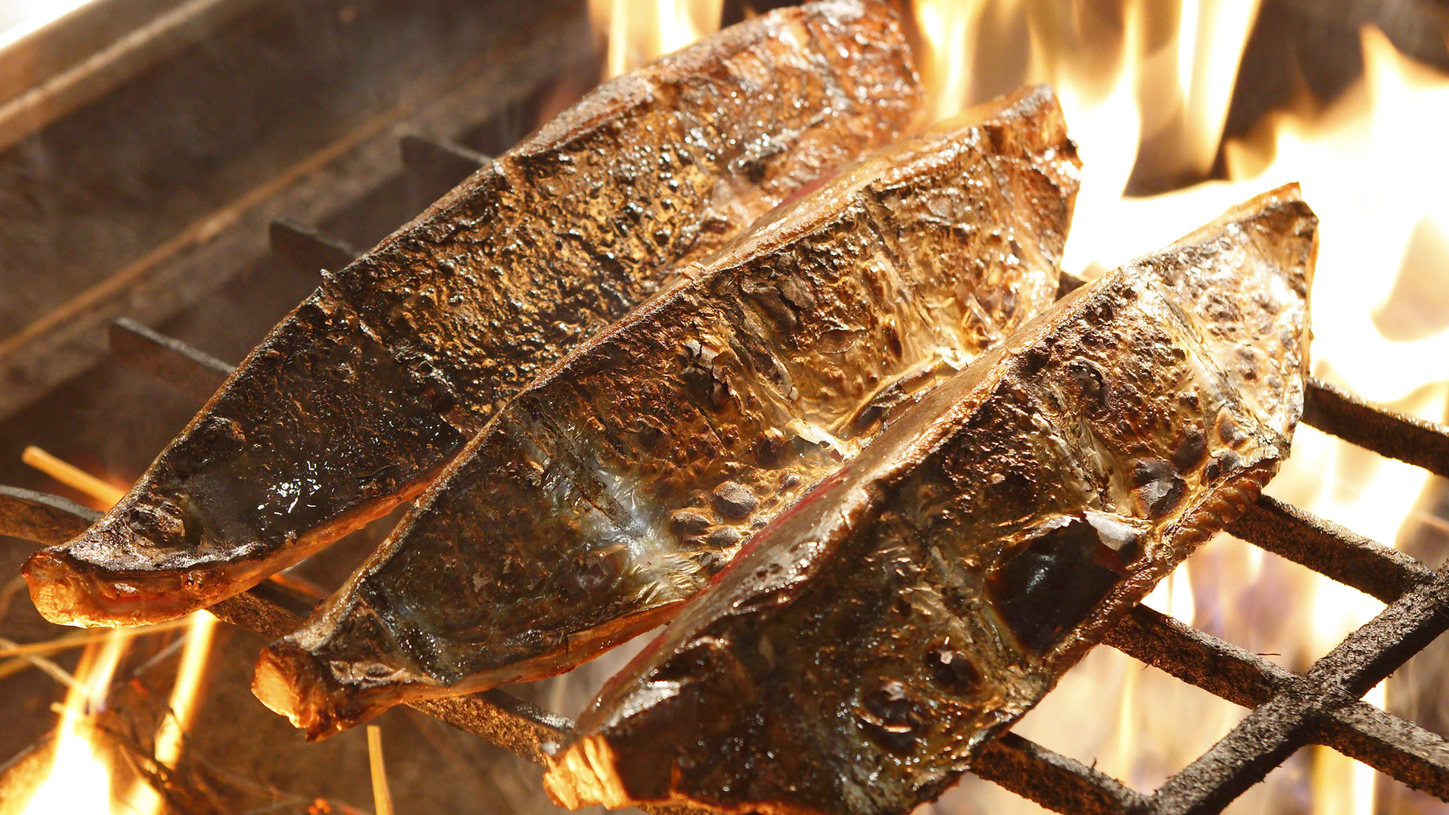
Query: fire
[[85, 783], [1146, 88], [640, 31], [944, 64], [80, 778], [189, 676]]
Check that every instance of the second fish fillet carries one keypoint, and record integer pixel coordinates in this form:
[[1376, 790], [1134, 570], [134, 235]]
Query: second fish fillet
[[614, 487]]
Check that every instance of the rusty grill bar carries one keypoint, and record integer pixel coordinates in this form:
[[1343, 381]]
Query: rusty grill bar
[[1289, 710]]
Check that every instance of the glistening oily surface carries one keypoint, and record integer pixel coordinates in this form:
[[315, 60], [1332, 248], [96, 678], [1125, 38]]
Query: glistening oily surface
[[614, 487], [359, 396], [861, 650]]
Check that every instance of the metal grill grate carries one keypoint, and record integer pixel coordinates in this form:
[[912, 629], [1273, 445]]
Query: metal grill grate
[[1289, 710]]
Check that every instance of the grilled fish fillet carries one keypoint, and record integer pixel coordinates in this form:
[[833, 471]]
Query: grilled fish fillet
[[356, 400], [866, 645], [614, 487]]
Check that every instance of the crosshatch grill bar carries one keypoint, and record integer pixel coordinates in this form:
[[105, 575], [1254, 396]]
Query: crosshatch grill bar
[[1406, 438], [181, 367], [1357, 729], [1274, 730], [306, 249], [1329, 549], [439, 161], [1053, 780]]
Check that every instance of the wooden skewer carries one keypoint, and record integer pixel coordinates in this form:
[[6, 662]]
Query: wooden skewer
[[72, 476], [381, 797]]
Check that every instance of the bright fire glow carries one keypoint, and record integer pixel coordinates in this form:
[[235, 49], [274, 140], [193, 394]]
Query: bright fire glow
[[79, 779], [640, 31], [189, 678], [21, 18], [102, 494], [1146, 86]]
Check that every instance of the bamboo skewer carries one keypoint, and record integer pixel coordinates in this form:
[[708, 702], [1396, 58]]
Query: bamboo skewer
[[72, 476], [381, 796]]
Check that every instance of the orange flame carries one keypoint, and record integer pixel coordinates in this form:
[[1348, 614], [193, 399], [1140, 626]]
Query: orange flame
[[640, 31], [101, 492], [79, 779], [1147, 86], [189, 676]]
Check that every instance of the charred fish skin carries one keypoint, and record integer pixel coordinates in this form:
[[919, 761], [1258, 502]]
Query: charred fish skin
[[614, 487], [862, 650], [358, 397]]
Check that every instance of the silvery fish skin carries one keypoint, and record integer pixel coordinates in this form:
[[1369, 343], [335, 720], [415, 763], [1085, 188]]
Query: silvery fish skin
[[357, 399], [613, 488], [863, 648]]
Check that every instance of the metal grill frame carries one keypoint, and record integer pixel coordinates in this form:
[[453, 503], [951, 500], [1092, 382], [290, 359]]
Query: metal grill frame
[[1323, 706]]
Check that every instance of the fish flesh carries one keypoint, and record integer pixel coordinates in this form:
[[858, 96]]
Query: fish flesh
[[359, 396], [865, 646], [610, 490], [357, 399]]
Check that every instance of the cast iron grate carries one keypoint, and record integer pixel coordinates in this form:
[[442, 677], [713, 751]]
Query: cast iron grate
[[1289, 710]]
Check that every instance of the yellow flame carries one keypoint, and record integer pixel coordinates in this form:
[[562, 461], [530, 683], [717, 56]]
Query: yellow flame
[[1211, 37], [79, 779], [381, 795], [1146, 87], [1135, 96], [184, 693], [1369, 168], [1173, 596], [80, 776], [637, 31], [1123, 82], [944, 63]]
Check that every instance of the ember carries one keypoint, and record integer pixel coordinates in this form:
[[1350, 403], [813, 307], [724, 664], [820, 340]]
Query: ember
[[1179, 110]]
